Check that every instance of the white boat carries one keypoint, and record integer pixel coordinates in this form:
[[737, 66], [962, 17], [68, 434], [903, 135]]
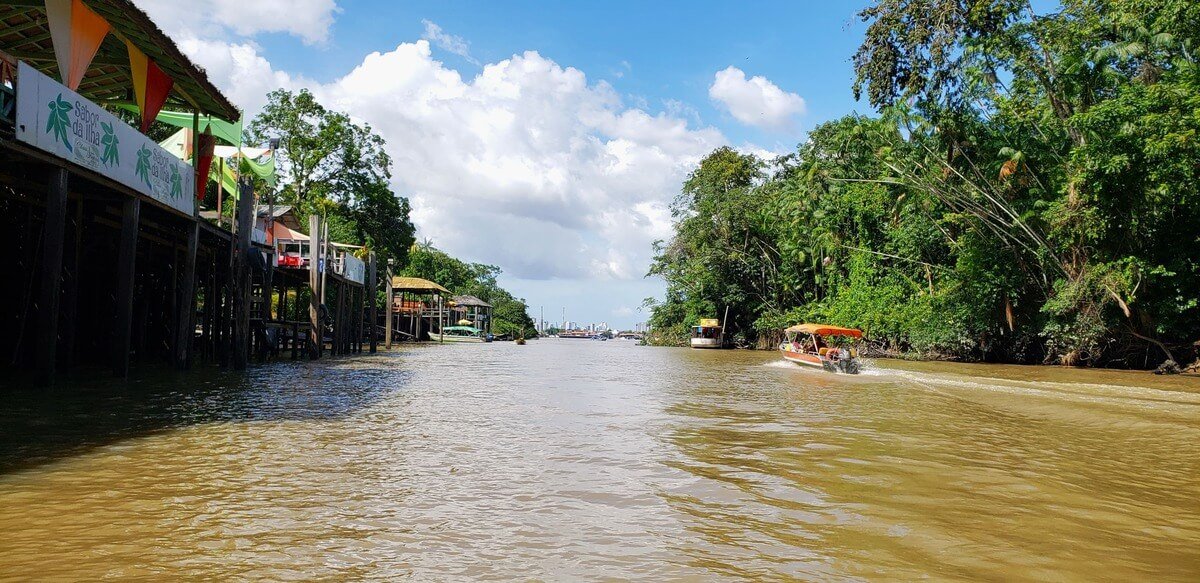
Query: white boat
[[709, 334], [458, 334]]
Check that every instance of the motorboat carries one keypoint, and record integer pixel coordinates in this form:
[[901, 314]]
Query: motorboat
[[822, 346]]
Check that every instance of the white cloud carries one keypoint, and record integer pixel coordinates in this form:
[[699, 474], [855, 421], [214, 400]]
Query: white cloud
[[239, 70], [756, 101], [526, 165], [309, 20], [448, 42]]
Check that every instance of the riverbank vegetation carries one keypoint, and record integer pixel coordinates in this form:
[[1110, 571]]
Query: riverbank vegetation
[[1028, 193]]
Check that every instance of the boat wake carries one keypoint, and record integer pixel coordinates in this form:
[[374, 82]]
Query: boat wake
[[780, 364], [1081, 391]]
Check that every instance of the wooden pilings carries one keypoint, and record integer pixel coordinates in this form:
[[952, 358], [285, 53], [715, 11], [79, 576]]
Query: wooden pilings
[[185, 329], [54, 233], [241, 277], [373, 318], [70, 300], [126, 258], [316, 340], [387, 303], [108, 278]]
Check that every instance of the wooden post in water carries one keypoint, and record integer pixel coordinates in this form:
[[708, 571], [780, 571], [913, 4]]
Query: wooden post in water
[[372, 286], [387, 303], [344, 316], [338, 322], [46, 352], [126, 258], [314, 286], [241, 276], [358, 319], [185, 330], [441, 319]]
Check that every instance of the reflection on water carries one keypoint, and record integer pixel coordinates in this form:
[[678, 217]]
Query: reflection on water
[[565, 459]]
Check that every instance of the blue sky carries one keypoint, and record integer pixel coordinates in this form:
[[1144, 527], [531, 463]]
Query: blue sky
[[546, 139], [653, 50]]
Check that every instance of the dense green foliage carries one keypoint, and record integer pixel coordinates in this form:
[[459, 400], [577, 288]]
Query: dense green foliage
[[336, 168], [509, 314], [1028, 194]]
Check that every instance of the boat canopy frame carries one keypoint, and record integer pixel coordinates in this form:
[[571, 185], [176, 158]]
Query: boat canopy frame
[[824, 330]]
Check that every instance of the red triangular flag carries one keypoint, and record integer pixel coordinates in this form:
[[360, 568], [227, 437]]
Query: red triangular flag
[[207, 144], [158, 86]]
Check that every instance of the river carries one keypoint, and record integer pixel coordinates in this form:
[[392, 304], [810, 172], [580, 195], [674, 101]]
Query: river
[[567, 459]]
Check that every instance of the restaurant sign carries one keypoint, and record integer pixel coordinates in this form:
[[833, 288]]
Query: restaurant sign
[[53, 118]]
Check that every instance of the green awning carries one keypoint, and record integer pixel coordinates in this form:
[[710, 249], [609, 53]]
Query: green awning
[[231, 133]]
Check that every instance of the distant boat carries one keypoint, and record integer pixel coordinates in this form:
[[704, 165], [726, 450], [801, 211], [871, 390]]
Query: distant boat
[[709, 334], [579, 334], [806, 344], [458, 334]]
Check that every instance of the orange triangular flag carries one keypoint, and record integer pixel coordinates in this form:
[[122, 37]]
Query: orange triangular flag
[[76, 32]]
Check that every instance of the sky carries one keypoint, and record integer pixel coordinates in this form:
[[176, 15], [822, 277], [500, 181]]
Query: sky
[[548, 139]]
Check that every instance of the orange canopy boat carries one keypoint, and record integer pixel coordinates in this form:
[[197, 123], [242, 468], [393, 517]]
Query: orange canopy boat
[[806, 344]]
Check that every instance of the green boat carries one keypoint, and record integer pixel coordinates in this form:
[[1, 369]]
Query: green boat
[[459, 334]]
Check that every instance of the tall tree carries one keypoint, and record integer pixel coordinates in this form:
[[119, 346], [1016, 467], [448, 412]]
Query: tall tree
[[331, 165]]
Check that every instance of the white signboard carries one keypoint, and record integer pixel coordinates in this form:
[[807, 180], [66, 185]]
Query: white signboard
[[353, 268], [55, 119]]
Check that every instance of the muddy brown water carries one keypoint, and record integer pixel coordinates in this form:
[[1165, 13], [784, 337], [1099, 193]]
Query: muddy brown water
[[569, 459]]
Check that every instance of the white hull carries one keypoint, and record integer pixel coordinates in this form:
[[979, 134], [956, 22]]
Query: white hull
[[706, 342], [466, 339]]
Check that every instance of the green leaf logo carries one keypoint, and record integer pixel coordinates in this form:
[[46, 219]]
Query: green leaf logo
[[59, 122], [143, 164], [176, 182], [110, 156]]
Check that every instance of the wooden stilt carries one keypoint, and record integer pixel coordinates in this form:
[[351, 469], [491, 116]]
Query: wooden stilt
[[70, 301], [358, 320], [344, 316], [185, 329], [390, 313], [126, 263], [206, 322], [241, 277], [314, 285], [221, 328], [54, 233]]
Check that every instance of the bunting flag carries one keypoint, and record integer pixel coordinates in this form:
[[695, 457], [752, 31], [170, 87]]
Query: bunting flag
[[150, 85], [76, 32], [207, 144], [257, 161]]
